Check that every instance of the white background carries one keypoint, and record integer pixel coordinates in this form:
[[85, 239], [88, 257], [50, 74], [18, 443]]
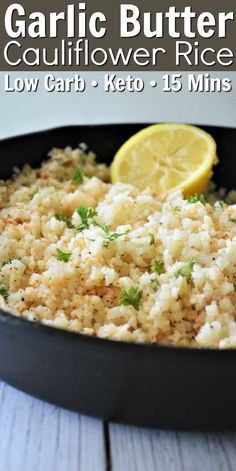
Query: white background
[[25, 112]]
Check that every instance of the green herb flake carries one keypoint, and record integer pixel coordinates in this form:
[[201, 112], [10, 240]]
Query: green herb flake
[[176, 209], [110, 236], [233, 220], [61, 218], [152, 239], [159, 266], [186, 271], [33, 194], [219, 204], [155, 283], [131, 297], [63, 256], [7, 262], [78, 177], [235, 287], [4, 292], [196, 199], [86, 213]]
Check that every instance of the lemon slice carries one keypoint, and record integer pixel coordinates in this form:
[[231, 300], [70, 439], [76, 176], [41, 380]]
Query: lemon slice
[[166, 157]]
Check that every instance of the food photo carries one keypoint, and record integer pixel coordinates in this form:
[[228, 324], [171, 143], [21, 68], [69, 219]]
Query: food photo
[[141, 250], [103, 274]]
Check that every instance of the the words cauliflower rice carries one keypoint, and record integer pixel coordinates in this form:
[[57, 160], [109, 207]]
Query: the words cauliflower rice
[[108, 260]]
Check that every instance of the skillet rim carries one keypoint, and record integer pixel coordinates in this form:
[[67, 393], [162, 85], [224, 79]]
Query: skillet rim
[[131, 123], [9, 320]]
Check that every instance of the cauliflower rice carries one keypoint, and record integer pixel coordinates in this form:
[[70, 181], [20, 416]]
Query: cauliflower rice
[[174, 257]]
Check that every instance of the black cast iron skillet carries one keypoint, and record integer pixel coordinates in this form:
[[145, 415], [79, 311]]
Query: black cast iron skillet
[[146, 385]]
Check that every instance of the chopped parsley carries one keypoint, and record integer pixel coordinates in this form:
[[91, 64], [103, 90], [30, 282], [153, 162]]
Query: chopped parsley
[[78, 177], [196, 199], [33, 193], [152, 239], [159, 266], [155, 283], [233, 220], [131, 297], [110, 236], [8, 262], [176, 209], [4, 292], [219, 204], [61, 218], [85, 213], [186, 271], [63, 256]]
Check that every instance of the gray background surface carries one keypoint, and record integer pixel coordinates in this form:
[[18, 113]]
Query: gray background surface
[[25, 112]]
